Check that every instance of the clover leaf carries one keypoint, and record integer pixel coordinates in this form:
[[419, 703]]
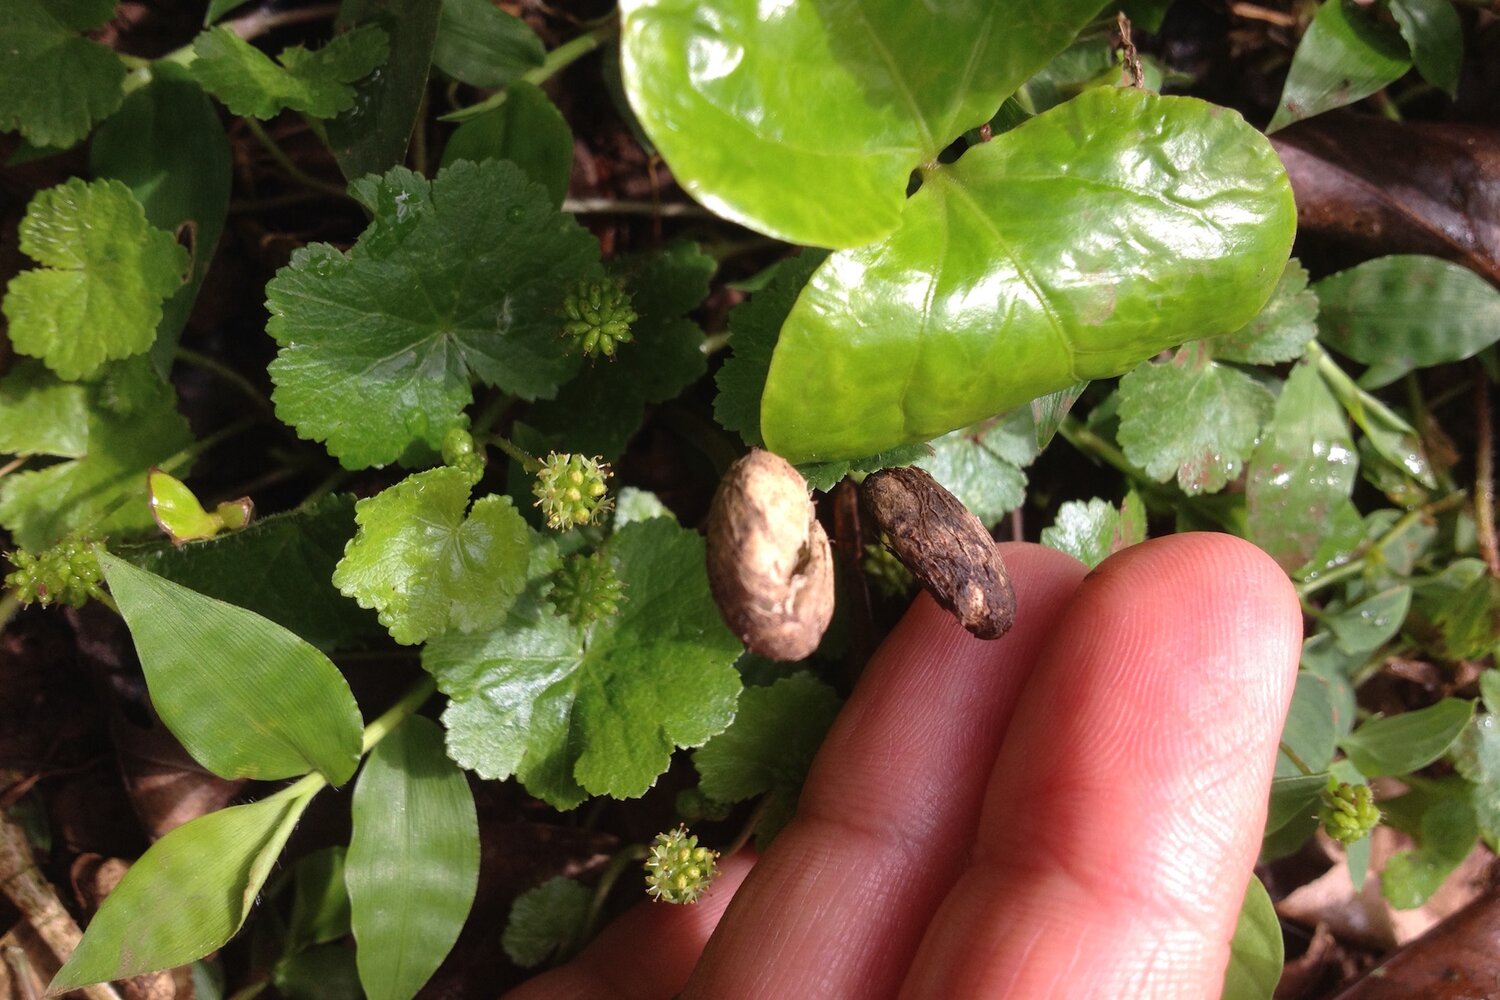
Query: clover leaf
[[54, 83], [576, 710], [425, 566], [105, 273], [316, 83], [455, 279]]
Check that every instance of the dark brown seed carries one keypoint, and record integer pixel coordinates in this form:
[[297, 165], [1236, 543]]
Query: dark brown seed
[[769, 563], [944, 546]]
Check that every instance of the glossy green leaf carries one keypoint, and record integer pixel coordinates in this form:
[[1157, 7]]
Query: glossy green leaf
[[1447, 834], [319, 84], [599, 410], [804, 120], [573, 710], [1347, 54], [527, 130], [483, 46], [105, 273], [167, 145], [187, 895], [280, 567], [546, 920], [372, 135], [1400, 313], [767, 751], [1464, 606], [1309, 730], [1091, 532], [428, 562], [54, 83], [1368, 624], [104, 491], [1301, 473], [753, 326], [1281, 329], [456, 279], [1294, 797], [1191, 419], [1389, 436], [824, 476], [1037, 290], [1476, 756], [1432, 30], [1256, 951], [413, 862], [40, 414], [244, 696], [1404, 743]]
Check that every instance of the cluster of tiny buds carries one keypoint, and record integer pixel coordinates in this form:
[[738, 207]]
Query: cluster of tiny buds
[[597, 315], [570, 490], [586, 589], [677, 869], [67, 573], [1347, 812]]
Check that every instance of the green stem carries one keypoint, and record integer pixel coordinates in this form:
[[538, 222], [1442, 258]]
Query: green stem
[[1297, 761], [392, 717], [1354, 566], [13, 465], [108, 601], [527, 462], [330, 482], [556, 61], [633, 854], [9, 605], [189, 356], [289, 168], [748, 830]]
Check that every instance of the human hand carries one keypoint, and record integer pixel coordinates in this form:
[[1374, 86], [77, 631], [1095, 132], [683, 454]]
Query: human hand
[[1070, 811]]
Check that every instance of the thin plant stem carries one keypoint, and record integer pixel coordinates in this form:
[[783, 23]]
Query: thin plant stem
[[223, 371], [610, 206], [748, 830], [289, 168], [634, 854], [330, 482], [527, 461], [13, 465], [10, 604], [1356, 566], [556, 61], [415, 697], [1297, 761], [1484, 479]]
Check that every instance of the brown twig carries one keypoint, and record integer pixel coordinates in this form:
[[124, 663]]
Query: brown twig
[[1255, 12], [1484, 479], [32, 894], [264, 21]]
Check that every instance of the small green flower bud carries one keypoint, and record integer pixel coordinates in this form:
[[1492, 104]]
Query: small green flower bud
[[586, 589], [886, 572], [570, 490], [68, 573], [1347, 812], [678, 870], [460, 453], [597, 315]]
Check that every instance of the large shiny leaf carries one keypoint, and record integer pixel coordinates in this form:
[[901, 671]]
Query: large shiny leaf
[[413, 862], [803, 120], [187, 895], [247, 698], [1070, 248]]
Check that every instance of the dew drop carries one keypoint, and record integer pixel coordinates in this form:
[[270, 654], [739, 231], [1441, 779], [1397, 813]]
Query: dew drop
[[515, 213]]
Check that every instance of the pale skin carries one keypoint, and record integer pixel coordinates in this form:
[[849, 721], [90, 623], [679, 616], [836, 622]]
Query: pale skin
[[1072, 810]]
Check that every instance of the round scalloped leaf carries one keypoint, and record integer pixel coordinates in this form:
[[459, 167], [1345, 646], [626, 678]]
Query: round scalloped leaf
[[54, 83], [456, 279], [1072, 248], [804, 120], [105, 273]]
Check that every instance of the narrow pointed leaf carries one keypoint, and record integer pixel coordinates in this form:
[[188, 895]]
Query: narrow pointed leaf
[[803, 120], [187, 895], [245, 697], [1403, 743], [1432, 29], [1347, 54], [413, 861], [1064, 258]]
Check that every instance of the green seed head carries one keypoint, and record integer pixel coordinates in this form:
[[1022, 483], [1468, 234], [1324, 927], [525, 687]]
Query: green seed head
[[677, 869], [1347, 812], [597, 315], [460, 453], [586, 589], [68, 573], [570, 489]]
